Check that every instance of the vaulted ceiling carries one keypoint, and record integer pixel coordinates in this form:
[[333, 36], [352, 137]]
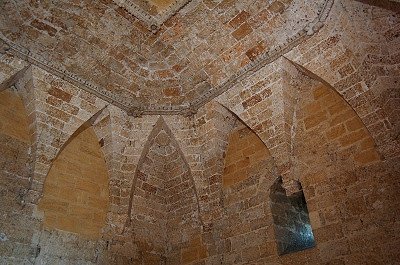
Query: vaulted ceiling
[[156, 56]]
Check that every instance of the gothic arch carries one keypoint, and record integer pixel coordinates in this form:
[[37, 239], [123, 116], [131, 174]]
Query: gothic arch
[[365, 119], [159, 127], [354, 53], [75, 195], [87, 124], [251, 129], [164, 205], [265, 182], [122, 139], [45, 97]]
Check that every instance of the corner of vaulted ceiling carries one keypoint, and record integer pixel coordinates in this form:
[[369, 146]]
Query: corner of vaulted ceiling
[[153, 13]]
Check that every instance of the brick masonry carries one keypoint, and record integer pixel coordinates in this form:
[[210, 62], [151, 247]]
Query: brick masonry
[[325, 115]]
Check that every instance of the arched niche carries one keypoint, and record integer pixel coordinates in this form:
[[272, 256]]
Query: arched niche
[[328, 130], [164, 210], [14, 119], [76, 194], [16, 223], [374, 120], [246, 155]]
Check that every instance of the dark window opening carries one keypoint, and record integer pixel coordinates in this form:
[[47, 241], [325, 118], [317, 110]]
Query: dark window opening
[[291, 220]]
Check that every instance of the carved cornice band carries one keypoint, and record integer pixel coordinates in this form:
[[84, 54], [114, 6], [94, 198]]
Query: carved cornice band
[[134, 107]]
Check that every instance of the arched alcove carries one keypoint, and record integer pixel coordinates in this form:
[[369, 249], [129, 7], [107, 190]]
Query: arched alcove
[[248, 175], [16, 225], [246, 155], [75, 197], [336, 160], [14, 119], [326, 124], [164, 209], [370, 108]]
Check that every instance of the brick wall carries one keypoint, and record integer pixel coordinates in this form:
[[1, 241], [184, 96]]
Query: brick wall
[[333, 147], [343, 146], [330, 149], [249, 172]]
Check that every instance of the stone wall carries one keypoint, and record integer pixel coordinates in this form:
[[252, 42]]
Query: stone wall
[[75, 196], [164, 214], [17, 226], [246, 155], [224, 214], [196, 190]]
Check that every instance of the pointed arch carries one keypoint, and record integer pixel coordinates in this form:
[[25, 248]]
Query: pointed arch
[[87, 124], [246, 156], [254, 132], [368, 121], [158, 127], [265, 103], [203, 140], [122, 138], [253, 128], [353, 54], [164, 211], [83, 127], [75, 196], [55, 109]]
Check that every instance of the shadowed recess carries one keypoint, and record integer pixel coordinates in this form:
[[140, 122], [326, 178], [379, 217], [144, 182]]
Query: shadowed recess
[[291, 221]]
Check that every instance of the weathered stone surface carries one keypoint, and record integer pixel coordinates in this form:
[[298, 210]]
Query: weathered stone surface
[[196, 188]]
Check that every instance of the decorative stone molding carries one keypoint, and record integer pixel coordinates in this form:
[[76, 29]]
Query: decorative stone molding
[[59, 71], [153, 22], [270, 56], [133, 105]]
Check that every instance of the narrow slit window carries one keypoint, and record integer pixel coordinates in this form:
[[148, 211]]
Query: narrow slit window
[[293, 230]]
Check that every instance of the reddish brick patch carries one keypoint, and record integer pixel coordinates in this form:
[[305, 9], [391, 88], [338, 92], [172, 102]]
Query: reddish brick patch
[[45, 27], [171, 91], [277, 7], [242, 31], [163, 74], [58, 93], [239, 19], [254, 52], [251, 101]]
